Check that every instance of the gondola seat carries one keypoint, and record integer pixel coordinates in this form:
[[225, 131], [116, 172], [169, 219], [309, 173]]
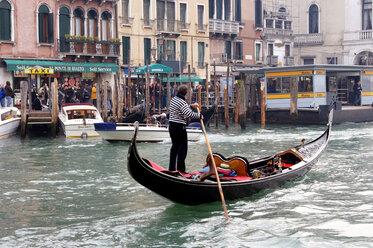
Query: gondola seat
[[236, 163]]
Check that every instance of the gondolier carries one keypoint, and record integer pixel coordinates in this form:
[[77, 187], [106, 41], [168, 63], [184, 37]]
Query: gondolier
[[179, 112]]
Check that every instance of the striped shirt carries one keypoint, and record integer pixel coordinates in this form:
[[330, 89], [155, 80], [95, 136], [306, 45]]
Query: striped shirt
[[180, 110]]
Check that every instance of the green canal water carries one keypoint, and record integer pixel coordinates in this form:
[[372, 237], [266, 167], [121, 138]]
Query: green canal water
[[78, 193]]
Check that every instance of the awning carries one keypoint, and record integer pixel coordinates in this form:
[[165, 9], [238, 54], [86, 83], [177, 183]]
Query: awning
[[154, 68], [17, 65], [183, 79]]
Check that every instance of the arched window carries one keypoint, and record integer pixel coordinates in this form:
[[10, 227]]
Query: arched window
[[367, 14], [5, 20], [45, 19], [105, 25], [313, 19], [92, 23], [78, 24], [64, 22]]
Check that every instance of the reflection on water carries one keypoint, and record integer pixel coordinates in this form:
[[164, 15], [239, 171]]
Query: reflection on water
[[71, 192]]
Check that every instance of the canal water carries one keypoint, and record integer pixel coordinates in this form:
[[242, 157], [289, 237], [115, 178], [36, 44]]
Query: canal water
[[78, 193]]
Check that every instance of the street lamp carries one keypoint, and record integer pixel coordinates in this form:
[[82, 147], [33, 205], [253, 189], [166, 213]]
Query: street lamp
[[154, 52]]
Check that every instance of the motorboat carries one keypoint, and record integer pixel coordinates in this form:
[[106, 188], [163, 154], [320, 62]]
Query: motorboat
[[146, 132], [10, 119], [77, 120], [251, 176]]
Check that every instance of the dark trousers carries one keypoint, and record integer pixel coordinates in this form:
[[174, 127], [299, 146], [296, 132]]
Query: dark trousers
[[179, 148]]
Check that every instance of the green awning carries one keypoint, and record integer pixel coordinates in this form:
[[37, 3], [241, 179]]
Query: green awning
[[20, 65], [154, 68], [183, 79]]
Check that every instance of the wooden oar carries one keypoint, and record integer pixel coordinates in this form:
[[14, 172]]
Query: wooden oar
[[216, 171]]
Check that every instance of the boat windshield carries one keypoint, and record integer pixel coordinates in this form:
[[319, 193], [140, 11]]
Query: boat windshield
[[6, 115], [81, 113]]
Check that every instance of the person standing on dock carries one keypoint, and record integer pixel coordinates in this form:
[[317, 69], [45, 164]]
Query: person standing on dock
[[357, 90], [2, 95], [179, 112]]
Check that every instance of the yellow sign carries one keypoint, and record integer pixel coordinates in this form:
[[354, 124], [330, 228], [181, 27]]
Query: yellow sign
[[367, 93], [367, 72], [39, 71], [285, 96], [320, 72], [288, 73], [320, 94]]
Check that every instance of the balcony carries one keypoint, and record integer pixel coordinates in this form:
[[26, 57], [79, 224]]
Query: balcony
[[224, 27], [167, 27], [275, 32], [147, 23], [358, 35], [289, 60], [201, 28], [91, 48], [126, 21], [272, 60], [308, 40], [184, 26]]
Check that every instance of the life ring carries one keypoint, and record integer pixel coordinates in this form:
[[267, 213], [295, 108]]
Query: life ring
[[84, 135]]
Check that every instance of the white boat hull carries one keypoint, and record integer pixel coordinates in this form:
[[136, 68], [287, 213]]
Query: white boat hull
[[9, 127], [145, 134], [79, 130]]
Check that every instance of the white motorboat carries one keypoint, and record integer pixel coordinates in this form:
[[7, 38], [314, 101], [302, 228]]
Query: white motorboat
[[77, 119], [147, 132], [10, 118]]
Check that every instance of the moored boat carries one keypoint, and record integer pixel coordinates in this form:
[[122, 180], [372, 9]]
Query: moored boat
[[77, 119], [252, 176], [146, 132], [9, 121]]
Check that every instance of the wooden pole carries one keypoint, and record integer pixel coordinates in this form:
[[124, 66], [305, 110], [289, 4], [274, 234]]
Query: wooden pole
[[129, 83], [226, 107], [215, 169], [24, 93], [262, 106], [189, 86], [120, 98], [169, 90], [147, 99], [105, 101], [207, 85], [293, 99], [54, 100], [236, 113], [216, 88], [242, 102], [200, 95], [115, 99]]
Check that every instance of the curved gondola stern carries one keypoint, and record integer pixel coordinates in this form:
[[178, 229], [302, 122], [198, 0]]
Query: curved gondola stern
[[132, 150]]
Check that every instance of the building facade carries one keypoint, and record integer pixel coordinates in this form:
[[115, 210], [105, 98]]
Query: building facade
[[173, 33], [75, 38]]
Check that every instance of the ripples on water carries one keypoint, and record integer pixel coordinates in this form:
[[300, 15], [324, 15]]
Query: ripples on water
[[78, 193]]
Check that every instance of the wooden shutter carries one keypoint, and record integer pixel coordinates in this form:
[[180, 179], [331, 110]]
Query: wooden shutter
[[50, 28], [5, 22], [41, 28]]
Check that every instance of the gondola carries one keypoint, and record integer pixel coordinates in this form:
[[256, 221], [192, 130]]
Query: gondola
[[252, 176]]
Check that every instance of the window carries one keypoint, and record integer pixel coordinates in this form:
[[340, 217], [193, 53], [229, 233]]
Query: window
[[126, 46], [200, 17], [227, 10], [258, 52], [171, 50], [183, 15], [201, 54], [313, 19], [219, 9], [183, 52], [171, 24], [287, 25], [146, 10], [5, 20], [274, 85], [282, 13], [238, 54], [305, 84], [161, 9], [105, 26], [92, 23], [211, 9], [279, 24], [78, 28], [332, 60], [270, 49], [228, 49], [125, 9], [308, 61], [147, 51], [45, 25], [367, 14], [287, 50], [237, 11], [269, 23], [64, 25], [258, 14]]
